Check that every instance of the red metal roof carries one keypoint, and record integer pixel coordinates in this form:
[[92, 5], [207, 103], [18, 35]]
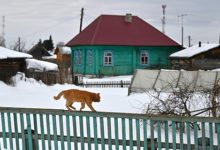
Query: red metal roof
[[113, 30]]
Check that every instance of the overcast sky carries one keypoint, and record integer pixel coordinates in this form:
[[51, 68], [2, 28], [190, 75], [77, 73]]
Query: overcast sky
[[38, 19]]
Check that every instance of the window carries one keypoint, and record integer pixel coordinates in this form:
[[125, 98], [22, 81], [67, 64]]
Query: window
[[80, 57], [90, 57], [108, 61], [144, 58], [75, 57]]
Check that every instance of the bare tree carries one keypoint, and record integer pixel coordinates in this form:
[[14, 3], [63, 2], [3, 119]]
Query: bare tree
[[2, 41], [18, 46]]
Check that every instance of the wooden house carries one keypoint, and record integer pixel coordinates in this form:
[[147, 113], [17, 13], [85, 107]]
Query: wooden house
[[118, 45], [201, 56], [11, 62], [38, 51], [64, 62]]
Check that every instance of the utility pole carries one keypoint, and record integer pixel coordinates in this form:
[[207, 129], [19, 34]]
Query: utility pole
[[19, 44], [3, 27], [182, 15], [189, 37], [163, 20], [81, 19]]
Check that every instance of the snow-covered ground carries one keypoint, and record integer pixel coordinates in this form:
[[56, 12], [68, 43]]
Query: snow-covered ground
[[33, 94]]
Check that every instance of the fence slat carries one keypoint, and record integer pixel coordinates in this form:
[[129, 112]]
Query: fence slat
[[174, 134], [42, 132], [218, 134], [166, 135], [81, 132], [211, 135], [95, 133], [75, 132], [152, 134], [68, 132], [131, 134], [22, 131], [48, 131], [159, 134], [88, 132], [3, 130], [55, 132], [203, 137], [195, 126], [61, 131], [145, 134], [109, 133], [29, 132], [138, 134], [116, 134], [102, 133], [188, 136], [35, 131], [16, 130], [181, 135], [123, 134], [10, 130]]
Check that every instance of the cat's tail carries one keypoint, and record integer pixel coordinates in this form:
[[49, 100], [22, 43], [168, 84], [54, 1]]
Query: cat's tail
[[58, 96]]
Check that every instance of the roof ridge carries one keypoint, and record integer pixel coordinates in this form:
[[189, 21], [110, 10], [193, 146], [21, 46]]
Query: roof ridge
[[93, 37]]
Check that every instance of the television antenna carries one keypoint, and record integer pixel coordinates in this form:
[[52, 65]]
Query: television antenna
[[181, 16], [163, 20]]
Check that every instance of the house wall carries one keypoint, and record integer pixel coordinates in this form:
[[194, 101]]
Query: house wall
[[126, 59], [205, 61]]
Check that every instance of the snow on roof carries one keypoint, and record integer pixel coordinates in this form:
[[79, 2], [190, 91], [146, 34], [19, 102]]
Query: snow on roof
[[65, 50], [194, 50], [8, 53], [50, 57], [41, 65]]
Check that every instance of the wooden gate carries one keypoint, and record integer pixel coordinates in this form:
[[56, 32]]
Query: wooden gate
[[33, 129]]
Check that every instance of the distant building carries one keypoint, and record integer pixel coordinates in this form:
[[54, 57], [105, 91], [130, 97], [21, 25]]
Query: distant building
[[118, 45], [39, 51], [64, 62], [201, 56], [11, 62]]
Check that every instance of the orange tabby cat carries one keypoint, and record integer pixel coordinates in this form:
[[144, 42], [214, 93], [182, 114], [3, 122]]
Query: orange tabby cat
[[74, 95]]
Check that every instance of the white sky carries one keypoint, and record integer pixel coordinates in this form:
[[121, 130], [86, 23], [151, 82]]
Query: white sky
[[32, 20]]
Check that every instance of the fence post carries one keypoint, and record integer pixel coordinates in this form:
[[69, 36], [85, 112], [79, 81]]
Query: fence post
[[33, 140], [121, 84]]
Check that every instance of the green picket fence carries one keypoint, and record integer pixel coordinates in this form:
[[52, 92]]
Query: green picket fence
[[53, 129]]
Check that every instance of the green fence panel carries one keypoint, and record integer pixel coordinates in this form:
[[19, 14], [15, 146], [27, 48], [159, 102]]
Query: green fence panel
[[101, 130]]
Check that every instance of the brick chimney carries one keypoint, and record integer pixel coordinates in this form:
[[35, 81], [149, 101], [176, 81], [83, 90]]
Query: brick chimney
[[128, 18], [200, 44]]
